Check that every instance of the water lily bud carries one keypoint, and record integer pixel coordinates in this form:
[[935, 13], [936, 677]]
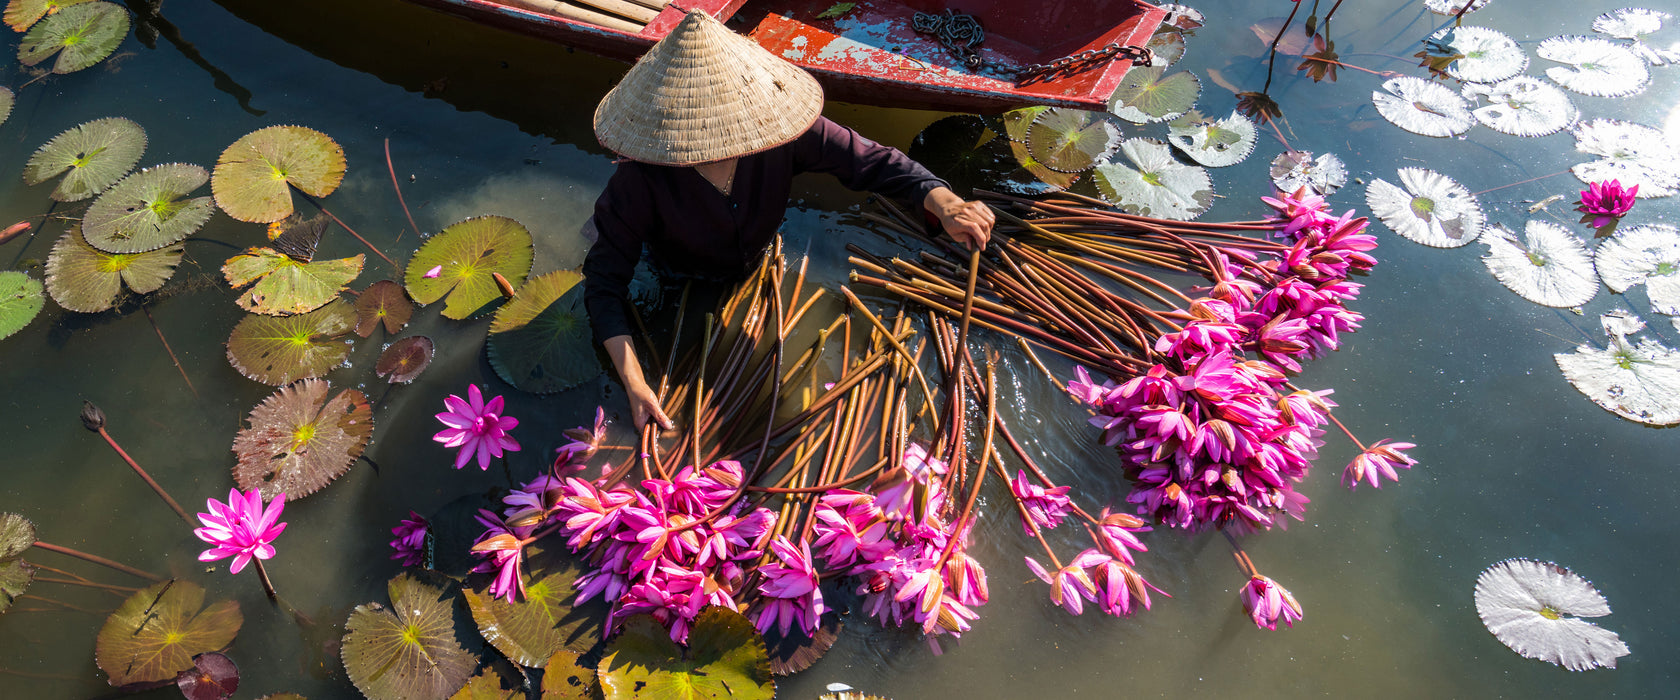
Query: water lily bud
[[92, 418], [503, 284]]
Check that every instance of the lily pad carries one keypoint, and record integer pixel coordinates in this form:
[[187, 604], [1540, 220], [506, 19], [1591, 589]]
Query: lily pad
[[96, 155], [1427, 207], [1155, 184], [286, 286], [1637, 381], [1183, 17], [1488, 55], [469, 252], [1452, 7], [277, 350], [413, 650], [565, 678], [1072, 140], [1522, 106], [20, 301], [82, 35], [299, 441], [1648, 255], [298, 237], [545, 620], [488, 685], [725, 658], [17, 535], [145, 210], [154, 635], [7, 100], [1630, 22], [1633, 154], [213, 676], [1168, 45], [1292, 170], [254, 176], [1146, 95], [1017, 122], [1215, 143], [1043, 179], [539, 341], [405, 359], [1597, 67], [1535, 607], [22, 14], [383, 302], [1550, 266], [964, 151], [81, 278], [1423, 107]]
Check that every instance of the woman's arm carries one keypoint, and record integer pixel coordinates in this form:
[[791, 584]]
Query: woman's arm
[[969, 223], [644, 404], [623, 217]]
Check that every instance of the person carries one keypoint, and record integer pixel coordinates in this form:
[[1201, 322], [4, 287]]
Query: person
[[711, 128]]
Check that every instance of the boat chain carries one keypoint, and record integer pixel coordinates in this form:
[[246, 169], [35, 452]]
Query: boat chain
[[961, 35]]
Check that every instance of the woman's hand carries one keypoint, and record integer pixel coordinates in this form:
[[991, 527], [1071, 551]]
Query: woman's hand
[[644, 404], [968, 223]]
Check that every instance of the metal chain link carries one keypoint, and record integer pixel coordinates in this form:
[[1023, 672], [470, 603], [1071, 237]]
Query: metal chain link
[[961, 35]]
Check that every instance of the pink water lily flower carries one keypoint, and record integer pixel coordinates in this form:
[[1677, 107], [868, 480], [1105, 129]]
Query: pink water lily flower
[[1267, 602], [409, 548], [1376, 463], [433, 273], [1604, 202], [792, 598], [1071, 585], [241, 528], [1040, 506], [477, 427]]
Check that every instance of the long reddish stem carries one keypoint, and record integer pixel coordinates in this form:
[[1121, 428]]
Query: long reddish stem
[[147, 477], [393, 170]]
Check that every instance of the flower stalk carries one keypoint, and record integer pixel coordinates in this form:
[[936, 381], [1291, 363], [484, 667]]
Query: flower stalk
[[94, 420]]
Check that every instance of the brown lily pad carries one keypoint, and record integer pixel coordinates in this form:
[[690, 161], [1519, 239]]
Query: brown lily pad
[[383, 302], [213, 677], [299, 441], [405, 359], [155, 634], [278, 350]]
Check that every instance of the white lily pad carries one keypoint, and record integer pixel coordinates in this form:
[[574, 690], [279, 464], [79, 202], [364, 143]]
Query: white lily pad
[[1648, 255], [1522, 106], [1182, 17], [1146, 95], [1215, 143], [1550, 266], [1071, 140], [1630, 22], [1292, 170], [1155, 184], [1633, 154], [1451, 7], [1535, 608], [1423, 107], [1427, 207], [1637, 381], [1597, 67], [1489, 55], [1168, 45]]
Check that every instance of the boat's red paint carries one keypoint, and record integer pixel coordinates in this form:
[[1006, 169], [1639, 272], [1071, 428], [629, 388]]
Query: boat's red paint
[[871, 55]]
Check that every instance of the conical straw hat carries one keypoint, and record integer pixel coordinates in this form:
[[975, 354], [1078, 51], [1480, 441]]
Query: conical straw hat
[[705, 93]]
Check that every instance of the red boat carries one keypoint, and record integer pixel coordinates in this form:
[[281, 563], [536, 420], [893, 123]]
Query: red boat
[[868, 51]]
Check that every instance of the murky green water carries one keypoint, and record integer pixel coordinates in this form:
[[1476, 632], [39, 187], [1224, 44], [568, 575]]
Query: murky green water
[[1514, 461]]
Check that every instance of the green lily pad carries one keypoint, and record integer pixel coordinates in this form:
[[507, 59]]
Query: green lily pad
[[7, 100], [540, 340], [405, 359], [725, 658], [1215, 143], [1072, 140], [22, 14], [97, 154], [299, 441], [82, 278], [145, 210], [489, 685], [963, 150], [1053, 180], [469, 252], [154, 635], [383, 302], [1146, 95], [1168, 45], [1154, 184], [413, 650], [17, 534], [20, 301], [565, 678], [286, 286], [278, 350], [544, 621], [254, 176], [1017, 122], [81, 35]]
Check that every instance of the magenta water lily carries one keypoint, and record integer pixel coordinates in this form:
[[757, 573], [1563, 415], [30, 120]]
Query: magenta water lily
[[243, 529], [477, 427], [1602, 203]]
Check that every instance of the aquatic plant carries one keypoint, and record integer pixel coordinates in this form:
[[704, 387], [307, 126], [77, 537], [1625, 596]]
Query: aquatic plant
[[145, 210], [414, 540], [1639, 381], [244, 529], [80, 35], [254, 175], [299, 440], [539, 341], [468, 254], [213, 676], [94, 420], [405, 359], [383, 302], [1549, 265], [477, 427], [154, 635], [85, 279], [414, 648], [91, 156], [1647, 254], [17, 534], [20, 301], [278, 350], [1602, 204], [1535, 608]]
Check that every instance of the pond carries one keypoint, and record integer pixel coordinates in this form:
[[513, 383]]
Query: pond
[[1513, 461]]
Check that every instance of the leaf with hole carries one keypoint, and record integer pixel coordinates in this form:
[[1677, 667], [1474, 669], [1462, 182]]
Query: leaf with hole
[[213, 676], [405, 359], [1146, 95], [1168, 45], [1155, 184], [286, 286], [81, 35], [565, 677], [254, 176], [1423, 107], [1071, 140], [154, 635], [725, 658], [299, 441], [1427, 207], [1292, 170], [82, 278], [146, 210], [92, 156], [277, 350], [1633, 154], [470, 252], [20, 301], [1017, 122], [17, 535], [1215, 143], [1535, 607], [413, 650], [1595, 67], [1522, 106], [1637, 381], [1550, 266], [540, 340], [546, 619], [489, 685]]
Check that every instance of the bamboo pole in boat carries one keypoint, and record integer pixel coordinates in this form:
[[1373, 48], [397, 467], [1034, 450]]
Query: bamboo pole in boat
[[560, 9], [655, 5], [622, 8]]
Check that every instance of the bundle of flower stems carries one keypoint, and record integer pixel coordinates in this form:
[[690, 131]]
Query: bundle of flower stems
[[1196, 392]]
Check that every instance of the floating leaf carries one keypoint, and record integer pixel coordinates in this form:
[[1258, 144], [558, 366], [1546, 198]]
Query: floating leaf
[[1550, 267], [1258, 105], [254, 176], [1423, 107], [21, 14], [565, 678], [1633, 154], [7, 101], [1168, 45], [145, 210], [382, 302], [1522, 106], [1050, 180], [17, 535], [96, 154], [488, 685], [963, 151], [725, 658], [1452, 7], [545, 620], [413, 650], [1486, 55], [1630, 22], [1292, 170], [1639, 382], [154, 635], [81, 278], [82, 35], [1182, 16], [470, 251], [1016, 122], [1649, 255], [1145, 95], [796, 651], [405, 359], [1215, 143], [1524, 602], [540, 339], [836, 10], [277, 350], [298, 237], [1600, 68], [299, 441], [213, 676], [286, 286], [1156, 184], [1428, 208], [1071, 140], [20, 301]]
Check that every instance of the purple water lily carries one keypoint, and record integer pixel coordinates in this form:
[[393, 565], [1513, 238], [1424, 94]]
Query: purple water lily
[[409, 548]]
